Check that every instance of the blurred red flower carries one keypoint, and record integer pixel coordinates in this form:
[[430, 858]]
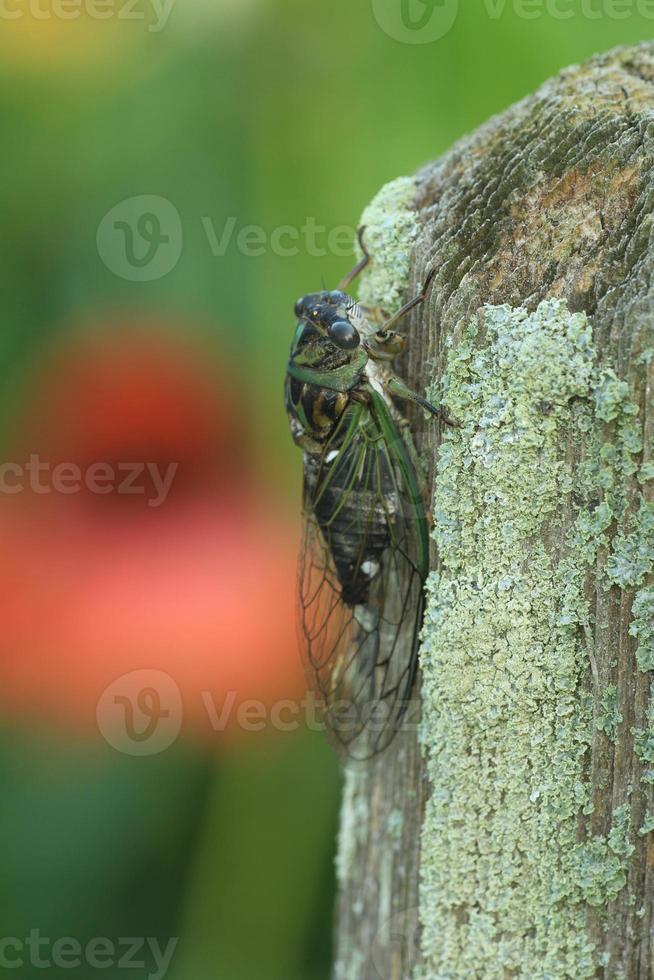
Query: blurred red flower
[[200, 586]]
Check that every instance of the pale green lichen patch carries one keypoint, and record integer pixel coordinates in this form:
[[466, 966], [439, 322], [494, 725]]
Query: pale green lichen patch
[[619, 460], [632, 558], [648, 825], [642, 626], [610, 397], [354, 820], [644, 742], [609, 720], [395, 822], [631, 561], [599, 867], [505, 883], [390, 231]]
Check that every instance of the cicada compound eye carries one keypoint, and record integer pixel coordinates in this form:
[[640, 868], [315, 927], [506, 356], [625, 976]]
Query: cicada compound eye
[[299, 306], [343, 334]]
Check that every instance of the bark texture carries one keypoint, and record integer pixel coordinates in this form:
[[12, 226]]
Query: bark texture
[[518, 838]]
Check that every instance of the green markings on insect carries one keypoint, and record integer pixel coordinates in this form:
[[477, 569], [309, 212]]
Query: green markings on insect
[[365, 549], [338, 379], [391, 437]]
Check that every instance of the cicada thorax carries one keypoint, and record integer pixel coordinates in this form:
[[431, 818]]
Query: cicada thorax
[[316, 410]]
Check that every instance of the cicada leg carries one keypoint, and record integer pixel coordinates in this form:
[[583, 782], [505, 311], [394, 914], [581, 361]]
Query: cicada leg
[[359, 267], [397, 387]]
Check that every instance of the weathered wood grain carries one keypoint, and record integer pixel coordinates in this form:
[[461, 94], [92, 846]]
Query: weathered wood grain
[[552, 199]]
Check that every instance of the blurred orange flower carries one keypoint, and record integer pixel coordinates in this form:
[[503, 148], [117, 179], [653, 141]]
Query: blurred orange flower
[[96, 585]]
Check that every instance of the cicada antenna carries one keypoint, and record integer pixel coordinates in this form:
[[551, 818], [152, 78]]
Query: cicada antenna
[[420, 298]]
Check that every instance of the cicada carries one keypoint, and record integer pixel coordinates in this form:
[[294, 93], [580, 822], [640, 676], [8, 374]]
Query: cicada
[[365, 546]]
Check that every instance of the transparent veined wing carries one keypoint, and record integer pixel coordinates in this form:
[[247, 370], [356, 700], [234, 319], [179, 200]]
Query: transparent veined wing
[[363, 562]]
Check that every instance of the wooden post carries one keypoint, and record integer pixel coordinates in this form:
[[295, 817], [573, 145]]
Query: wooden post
[[513, 834]]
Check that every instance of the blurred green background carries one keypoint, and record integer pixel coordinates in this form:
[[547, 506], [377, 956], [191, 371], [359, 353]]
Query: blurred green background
[[236, 112]]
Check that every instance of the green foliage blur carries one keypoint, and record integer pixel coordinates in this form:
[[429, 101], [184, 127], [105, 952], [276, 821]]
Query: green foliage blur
[[251, 112]]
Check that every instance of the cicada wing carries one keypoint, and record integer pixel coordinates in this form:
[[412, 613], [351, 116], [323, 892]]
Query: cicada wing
[[362, 571]]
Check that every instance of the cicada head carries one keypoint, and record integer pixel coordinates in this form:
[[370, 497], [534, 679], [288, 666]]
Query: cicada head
[[326, 312]]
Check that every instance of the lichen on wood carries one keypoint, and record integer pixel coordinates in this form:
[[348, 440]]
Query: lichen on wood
[[508, 722], [390, 230], [514, 837]]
